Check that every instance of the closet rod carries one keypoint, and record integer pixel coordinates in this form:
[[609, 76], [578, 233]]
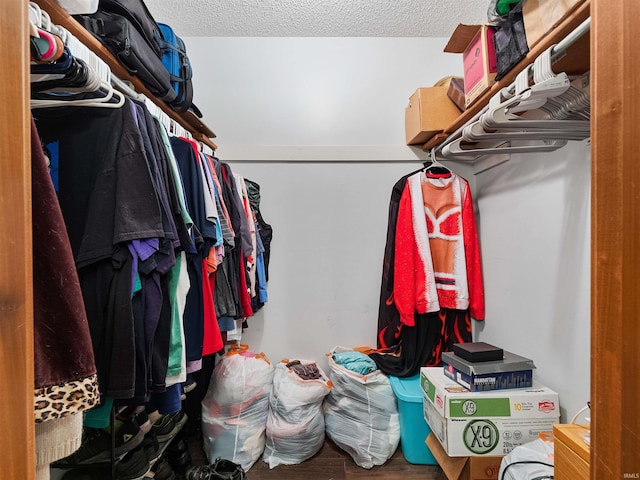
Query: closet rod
[[557, 52]]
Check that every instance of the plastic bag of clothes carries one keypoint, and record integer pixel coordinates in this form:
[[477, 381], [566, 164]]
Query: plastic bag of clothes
[[361, 412], [235, 408], [531, 461], [295, 426]]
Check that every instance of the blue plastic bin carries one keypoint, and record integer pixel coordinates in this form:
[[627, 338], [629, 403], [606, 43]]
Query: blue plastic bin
[[413, 429]]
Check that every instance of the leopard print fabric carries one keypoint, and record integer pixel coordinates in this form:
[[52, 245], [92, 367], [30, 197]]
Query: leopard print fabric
[[59, 401]]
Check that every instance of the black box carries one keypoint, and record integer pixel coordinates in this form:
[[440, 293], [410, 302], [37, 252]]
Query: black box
[[478, 352]]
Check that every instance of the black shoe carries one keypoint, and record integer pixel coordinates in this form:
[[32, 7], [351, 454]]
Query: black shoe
[[163, 471], [167, 426], [151, 447], [226, 470], [133, 466], [179, 456], [220, 470], [95, 448], [198, 472], [128, 436]]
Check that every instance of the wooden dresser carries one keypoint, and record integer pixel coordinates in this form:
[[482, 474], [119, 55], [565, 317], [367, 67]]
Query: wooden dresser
[[572, 454]]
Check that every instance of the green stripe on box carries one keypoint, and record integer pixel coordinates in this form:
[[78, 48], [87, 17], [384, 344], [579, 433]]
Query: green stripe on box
[[427, 387], [479, 407]]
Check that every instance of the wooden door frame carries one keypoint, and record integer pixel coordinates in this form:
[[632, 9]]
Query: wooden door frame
[[17, 442], [615, 245]]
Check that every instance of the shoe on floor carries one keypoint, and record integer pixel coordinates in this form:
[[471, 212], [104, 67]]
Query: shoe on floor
[[221, 469], [179, 456], [133, 466], [163, 471]]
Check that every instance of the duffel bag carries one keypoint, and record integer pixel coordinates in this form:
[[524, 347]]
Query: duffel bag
[[177, 63], [137, 13], [119, 36]]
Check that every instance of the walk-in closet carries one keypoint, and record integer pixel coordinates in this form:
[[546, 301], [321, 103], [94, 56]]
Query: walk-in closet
[[307, 118]]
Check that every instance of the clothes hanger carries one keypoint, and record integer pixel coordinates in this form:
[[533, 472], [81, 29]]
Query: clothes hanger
[[525, 98], [433, 168], [455, 149], [550, 92], [476, 133], [104, 101]]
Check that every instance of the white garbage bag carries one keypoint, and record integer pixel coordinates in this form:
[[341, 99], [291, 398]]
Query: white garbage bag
[[531, 461], [361, 414], [236, 406], [295, 426]]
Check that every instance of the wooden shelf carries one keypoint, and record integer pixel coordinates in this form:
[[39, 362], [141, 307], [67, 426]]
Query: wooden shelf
[[576, 61], [188, 119]]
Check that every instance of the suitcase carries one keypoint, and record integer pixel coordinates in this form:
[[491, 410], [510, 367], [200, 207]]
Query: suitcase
[[176, 61], [124, 41]]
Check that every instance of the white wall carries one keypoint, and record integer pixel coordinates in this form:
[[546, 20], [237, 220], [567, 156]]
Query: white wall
[[329, 230], [534, 214], [319, 124], [313, 98]]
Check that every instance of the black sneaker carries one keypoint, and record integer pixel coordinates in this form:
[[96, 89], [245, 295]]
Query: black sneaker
[[179, 456], [179, 418], [221, 469], [95, 448], [198, 472], [151, 447], [163, 471], [167, 426], [133, 466], [226, 470], [128, 436]]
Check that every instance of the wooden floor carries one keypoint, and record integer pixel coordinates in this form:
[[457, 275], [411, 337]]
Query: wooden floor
[[332, 463]]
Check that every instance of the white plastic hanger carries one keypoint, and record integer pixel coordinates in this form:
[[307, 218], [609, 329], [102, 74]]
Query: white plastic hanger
[[103, 102], [455, 149]]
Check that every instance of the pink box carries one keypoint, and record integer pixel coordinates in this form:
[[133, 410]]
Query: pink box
[[475, 42]]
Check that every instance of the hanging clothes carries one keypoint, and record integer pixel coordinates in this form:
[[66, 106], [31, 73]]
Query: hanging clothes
[[107, 199], [65, 378], [437, 260], [432, 278], [63, 353]]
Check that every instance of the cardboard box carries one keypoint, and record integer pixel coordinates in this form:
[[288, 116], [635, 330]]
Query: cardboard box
[[541, 16], [464, 468], [464, 437], [485, 423], [430, 111], [475, 42], [456, 92]]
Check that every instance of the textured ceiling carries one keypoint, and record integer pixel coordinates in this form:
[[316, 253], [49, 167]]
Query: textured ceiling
[[317, 18]]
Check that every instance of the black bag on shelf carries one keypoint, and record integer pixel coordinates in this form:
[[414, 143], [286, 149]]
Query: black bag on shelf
[[124, 41], [510, 41], [137, 13], [177, 63]]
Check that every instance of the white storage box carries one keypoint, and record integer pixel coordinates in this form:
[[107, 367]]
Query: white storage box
[[485, 423]]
